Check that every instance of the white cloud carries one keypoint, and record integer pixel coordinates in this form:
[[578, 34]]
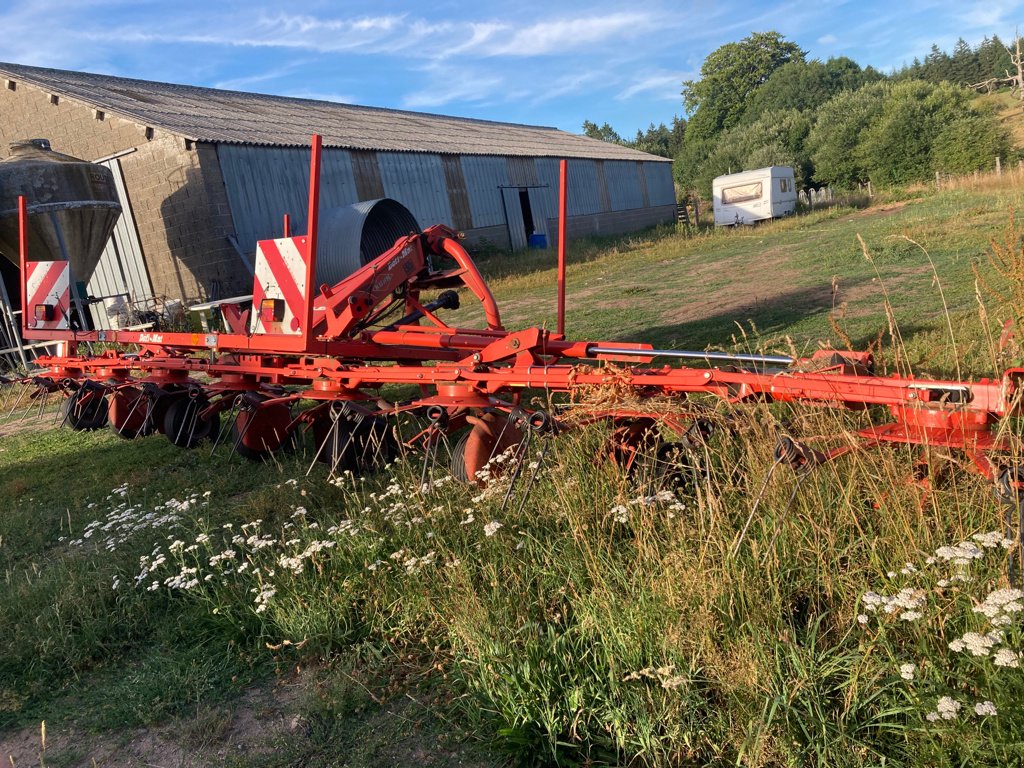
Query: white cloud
[[666, 85], [828, 40], [553, 37], [448, 85]]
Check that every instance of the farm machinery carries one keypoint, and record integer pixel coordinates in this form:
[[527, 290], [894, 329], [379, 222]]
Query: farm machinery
[[306, 357]]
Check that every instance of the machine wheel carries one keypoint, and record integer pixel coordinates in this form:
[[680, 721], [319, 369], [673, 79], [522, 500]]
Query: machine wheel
[[458, 463], [671, 468], [183, 425], [161, 402], [357, 446], [85, 410], [257, 433], [129, 413], [492, 434]]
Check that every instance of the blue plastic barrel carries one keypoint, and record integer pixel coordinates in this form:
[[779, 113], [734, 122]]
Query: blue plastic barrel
[[538, 241]]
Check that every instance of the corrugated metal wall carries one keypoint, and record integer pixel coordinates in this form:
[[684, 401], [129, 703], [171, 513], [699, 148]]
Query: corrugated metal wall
[[485, 176], [121, 268], [623, 182], [417, 182], [264, 183], [660, 188]]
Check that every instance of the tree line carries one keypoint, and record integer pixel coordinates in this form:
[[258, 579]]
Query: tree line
[[761, 102]]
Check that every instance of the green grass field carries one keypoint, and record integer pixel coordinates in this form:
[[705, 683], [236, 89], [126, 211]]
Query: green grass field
[[164, 605]]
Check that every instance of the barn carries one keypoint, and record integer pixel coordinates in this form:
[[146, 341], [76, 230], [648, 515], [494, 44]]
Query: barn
[[203, 173]]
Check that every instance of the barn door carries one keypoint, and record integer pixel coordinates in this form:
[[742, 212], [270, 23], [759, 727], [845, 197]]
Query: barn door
[[514, 217], [121, 273]]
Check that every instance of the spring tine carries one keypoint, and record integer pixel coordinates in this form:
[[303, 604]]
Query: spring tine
[[340, 454], [734, 550], [320, 450], [21, 396], [429, 459], [533, 476], [135, 405], [521, 450], [801, 476], [1015, 567], [241, 436], [225, 425]]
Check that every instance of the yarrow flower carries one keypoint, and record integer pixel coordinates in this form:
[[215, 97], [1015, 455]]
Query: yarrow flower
[[985, 708], [976, 643], [948, 708], [1005, 657], [492, 528], [907, 671]]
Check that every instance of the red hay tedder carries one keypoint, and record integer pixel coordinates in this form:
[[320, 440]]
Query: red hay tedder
[[336, 345]]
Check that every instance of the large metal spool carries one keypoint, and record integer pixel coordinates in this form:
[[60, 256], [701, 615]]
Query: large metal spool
[[352, 236], [72, 206]]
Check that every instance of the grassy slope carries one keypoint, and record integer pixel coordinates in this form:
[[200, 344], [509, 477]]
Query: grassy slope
[[1011, 113], [75, 651]]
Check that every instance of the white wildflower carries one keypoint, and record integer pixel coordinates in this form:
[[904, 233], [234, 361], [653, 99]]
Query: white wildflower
[[619, 513], [948, 708], [985, 708], [492, 528], [907, 671], [1006, 657]]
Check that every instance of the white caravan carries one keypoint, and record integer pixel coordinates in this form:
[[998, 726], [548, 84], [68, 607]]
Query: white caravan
[[743, 198]]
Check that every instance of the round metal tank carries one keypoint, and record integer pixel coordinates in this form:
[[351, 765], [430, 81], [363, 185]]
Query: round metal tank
[[72, 206], [352, 236]]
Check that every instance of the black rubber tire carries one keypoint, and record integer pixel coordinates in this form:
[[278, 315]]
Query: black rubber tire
[[358, 447], [182, 425], [85, 416]]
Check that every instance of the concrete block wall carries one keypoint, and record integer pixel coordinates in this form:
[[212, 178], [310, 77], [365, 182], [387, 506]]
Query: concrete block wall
[[175, 189]]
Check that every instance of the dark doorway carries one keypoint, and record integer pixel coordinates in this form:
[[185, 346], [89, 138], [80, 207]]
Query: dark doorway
[[524, 202]]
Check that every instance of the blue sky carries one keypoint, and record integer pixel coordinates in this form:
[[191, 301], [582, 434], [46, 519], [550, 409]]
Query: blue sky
[[544, 63]]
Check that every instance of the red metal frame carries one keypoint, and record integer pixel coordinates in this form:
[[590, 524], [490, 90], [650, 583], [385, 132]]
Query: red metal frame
[[339, 357]]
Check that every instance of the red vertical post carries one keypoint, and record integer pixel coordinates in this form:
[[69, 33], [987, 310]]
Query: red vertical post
[[23, 255], [287, 226], [312, 218], [563, 186]]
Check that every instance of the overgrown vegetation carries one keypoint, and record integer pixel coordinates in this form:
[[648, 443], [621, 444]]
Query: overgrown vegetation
[[736, 615], [761, 102]]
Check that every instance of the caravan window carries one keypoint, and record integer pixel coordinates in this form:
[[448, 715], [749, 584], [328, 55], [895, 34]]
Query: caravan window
[[741, 193], [784, 185]]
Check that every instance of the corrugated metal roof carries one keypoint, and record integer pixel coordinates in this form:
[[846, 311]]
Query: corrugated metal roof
[[210, 115]]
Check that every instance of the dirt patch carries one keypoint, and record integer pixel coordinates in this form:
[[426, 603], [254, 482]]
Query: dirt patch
[[209, 738]]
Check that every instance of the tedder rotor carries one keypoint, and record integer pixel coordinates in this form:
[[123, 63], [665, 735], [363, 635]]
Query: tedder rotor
[[314, 358]]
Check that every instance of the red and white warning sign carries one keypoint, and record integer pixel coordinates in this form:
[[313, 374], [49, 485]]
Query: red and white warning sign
[[48, 293], [279, 286]]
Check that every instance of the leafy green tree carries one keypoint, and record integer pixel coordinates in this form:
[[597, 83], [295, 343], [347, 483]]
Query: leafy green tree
[[833, 143], [795, 85], [729, 76], [993, 58], [602, 133], [937, 66], [964, 64], [660, 139], [778, 137], [847, 75], [897, 146], [970, 143]]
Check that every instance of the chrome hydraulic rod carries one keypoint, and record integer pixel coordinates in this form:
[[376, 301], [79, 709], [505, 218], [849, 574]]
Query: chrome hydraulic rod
[[690, 355]]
